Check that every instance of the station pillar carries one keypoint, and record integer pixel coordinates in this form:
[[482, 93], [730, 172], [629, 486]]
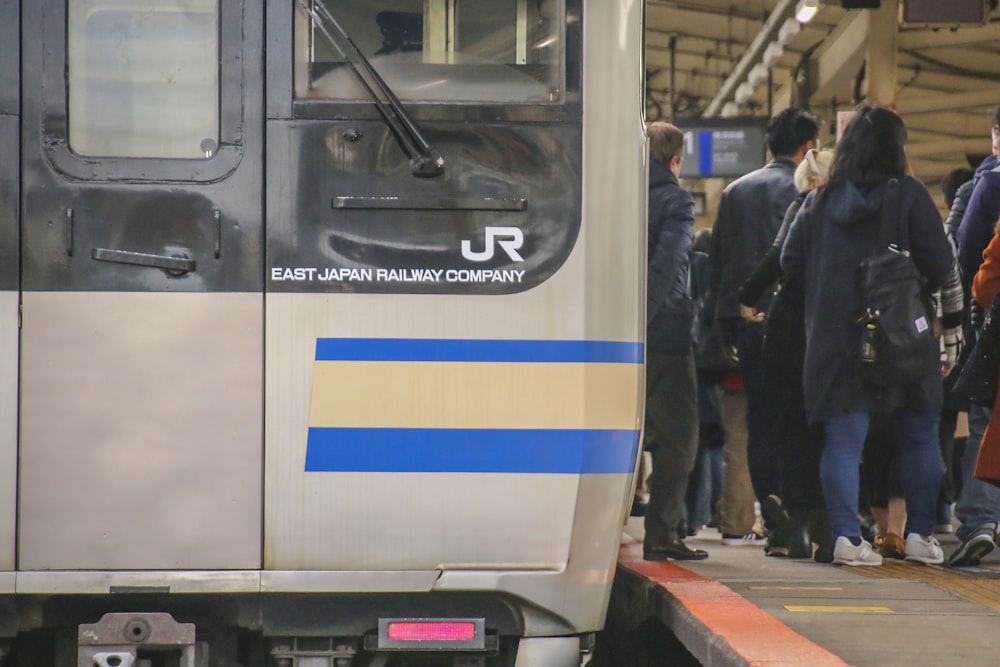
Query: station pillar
[[880, 53]]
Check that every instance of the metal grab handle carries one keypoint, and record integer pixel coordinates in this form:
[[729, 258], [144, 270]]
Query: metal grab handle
[[175, 265]]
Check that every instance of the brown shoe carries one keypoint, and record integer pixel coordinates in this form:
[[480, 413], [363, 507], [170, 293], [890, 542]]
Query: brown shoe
[[892, 545]]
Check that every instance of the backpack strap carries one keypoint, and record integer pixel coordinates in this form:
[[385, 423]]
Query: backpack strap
[[892, 230]]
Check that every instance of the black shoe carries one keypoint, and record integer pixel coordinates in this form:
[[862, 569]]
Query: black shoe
[[776, 545], [824, 553], [638, 507], [774, 515], [979, 544], [797, 536], [820, 533], [675, 550]]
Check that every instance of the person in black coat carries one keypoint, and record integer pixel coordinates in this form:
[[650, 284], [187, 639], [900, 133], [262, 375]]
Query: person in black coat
[[671, 432], [837, 227], [798, 445], [750, 213]]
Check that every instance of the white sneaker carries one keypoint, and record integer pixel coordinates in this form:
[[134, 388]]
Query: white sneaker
[[923, 549], [748, 540], [845, 553]]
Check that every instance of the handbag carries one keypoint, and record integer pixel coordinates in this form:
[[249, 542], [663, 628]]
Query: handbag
[[978, 380], [897, 342]]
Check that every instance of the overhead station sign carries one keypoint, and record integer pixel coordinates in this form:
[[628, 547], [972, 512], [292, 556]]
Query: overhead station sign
[[723, 148]]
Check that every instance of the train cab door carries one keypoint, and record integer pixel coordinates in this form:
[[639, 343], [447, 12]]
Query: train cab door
[[9, 207], [141, 343]]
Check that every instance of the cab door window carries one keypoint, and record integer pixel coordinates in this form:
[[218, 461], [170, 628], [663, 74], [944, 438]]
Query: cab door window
[[143, 78], [502, 51]]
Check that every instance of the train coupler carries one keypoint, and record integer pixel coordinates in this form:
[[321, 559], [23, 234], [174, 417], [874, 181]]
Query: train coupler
[[136, 640]]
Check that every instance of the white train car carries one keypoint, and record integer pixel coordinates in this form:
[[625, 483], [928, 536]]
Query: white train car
[[321, 329]]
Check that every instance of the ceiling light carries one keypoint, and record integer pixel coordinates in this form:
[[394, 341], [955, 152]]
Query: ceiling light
[[772, 54], [806, 10], [789, 29], [744, 93], [757, 75]]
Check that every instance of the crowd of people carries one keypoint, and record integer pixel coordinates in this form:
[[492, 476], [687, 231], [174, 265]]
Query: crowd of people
[[758, 382]]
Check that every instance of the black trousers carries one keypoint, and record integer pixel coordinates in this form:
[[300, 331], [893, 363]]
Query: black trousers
[[671, 436], [797, 445]]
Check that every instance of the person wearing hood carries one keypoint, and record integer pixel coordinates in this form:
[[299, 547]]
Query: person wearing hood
[[798, 444], [671, 428], [837, 227]]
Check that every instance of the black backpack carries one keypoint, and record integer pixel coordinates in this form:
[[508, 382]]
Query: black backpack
[[896, 328]]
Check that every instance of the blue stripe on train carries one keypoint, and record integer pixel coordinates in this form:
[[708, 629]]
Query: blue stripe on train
[[419, 349], [547, 451]]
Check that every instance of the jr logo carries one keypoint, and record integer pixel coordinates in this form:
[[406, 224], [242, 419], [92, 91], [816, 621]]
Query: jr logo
[[508, 238]]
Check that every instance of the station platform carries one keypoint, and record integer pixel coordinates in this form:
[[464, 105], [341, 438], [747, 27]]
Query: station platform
[[741, 608]]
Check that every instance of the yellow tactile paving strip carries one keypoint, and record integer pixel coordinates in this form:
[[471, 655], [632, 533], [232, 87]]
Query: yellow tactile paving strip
[[968, 585]]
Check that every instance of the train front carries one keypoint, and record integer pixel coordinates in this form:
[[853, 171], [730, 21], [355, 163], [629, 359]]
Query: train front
[[454, 331]]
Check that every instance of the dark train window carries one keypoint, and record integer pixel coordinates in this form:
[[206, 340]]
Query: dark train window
[[143, 78], [433, 50]]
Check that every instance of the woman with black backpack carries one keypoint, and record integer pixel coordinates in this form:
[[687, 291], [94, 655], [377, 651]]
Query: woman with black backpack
[[839, 227]]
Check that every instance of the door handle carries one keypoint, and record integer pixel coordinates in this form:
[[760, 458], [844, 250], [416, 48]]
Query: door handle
[[174, 265]]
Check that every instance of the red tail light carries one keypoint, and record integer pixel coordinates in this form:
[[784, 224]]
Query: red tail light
[[419, 631], [432, 634]]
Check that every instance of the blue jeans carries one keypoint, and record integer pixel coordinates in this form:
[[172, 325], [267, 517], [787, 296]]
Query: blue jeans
[[978, 504], [920, 461], [698, 499]]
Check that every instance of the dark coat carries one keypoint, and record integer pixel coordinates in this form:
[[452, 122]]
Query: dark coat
[[669, 307], [786, 308], [750, 213], [976, 229], [961, 201], [826, 243]]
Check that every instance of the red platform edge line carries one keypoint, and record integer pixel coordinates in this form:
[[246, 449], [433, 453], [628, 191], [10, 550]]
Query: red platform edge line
[[752, 633]]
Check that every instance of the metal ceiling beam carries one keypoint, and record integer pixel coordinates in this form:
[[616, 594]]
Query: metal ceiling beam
[[835, 62], [927, 38], [947, 101], [767, 34], [944, 147]]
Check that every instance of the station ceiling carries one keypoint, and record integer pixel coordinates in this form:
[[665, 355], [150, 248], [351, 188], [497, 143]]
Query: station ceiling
[[947, 80]]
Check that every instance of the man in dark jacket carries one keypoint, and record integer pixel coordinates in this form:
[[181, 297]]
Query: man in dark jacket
[[978, 503], [671, 433], [750, 213]]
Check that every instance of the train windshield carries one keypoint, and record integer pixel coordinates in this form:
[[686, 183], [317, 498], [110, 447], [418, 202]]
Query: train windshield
[[143, 78], [502, 51]]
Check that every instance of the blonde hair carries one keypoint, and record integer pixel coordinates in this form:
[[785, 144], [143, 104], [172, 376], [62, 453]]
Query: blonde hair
[[813, 170]]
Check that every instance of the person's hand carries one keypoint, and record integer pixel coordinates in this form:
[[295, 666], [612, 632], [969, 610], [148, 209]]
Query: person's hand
[[952, 341], [727, 330], [751, 314], [732, 355]]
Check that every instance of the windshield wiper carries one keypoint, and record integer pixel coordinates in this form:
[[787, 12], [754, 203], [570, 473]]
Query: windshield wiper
[[424, 160]]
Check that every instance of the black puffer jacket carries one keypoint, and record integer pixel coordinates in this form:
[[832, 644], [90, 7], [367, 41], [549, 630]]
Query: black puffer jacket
[[826, 243], [669, 309]]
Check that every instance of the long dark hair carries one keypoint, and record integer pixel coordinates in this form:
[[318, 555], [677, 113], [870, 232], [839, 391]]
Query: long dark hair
[[871, 150]]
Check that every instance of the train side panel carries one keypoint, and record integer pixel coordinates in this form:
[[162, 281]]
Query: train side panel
[[10, 127], [140, 395]]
